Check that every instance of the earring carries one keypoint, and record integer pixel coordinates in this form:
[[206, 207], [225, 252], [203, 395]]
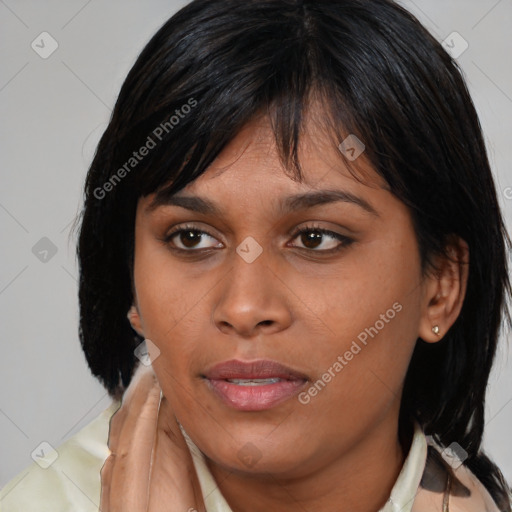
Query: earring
[[435, 330]]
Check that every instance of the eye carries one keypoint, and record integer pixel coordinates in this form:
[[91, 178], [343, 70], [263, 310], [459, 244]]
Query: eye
[[317, 239], [189, 238]]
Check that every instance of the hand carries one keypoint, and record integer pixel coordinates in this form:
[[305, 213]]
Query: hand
[[150, 468]]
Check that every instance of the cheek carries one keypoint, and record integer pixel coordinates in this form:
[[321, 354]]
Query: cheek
[[168, 296], [173, 306], [373, 318], [361, 372], [375, 295]]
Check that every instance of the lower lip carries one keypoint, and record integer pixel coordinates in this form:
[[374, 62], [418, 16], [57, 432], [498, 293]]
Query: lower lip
[[255, 398]]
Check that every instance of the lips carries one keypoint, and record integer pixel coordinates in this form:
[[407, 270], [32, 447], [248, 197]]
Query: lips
[[261, 369], [254, 386]]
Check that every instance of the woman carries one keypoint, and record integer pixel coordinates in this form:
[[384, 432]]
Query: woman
[[292, 205]]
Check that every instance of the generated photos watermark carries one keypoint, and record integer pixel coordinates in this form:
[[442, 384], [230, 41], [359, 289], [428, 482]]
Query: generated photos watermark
[[146, 352], [44, 455], [156, 136], [454, 455], [352, 147], [355, 348]]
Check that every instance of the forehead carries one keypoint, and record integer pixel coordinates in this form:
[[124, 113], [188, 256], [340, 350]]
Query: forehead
[[318, 150], [249, 175], [251, 163]]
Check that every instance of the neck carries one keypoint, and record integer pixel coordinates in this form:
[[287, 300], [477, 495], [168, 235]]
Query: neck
[[359, 480]]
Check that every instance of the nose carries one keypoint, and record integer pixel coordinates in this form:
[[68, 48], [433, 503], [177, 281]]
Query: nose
[[253, 299]]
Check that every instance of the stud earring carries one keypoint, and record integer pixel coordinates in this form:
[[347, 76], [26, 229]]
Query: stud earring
[[435, 330]]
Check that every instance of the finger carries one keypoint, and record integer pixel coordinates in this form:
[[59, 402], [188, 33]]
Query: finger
[[174, 479], [133, 440], [130, 475], [142, 381], [106, 475]]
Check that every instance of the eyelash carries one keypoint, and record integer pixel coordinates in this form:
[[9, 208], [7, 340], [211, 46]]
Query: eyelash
[[344, 241]]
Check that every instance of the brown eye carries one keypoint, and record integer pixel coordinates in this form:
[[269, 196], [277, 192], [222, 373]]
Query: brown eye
[[190, 239], [311, 239], [314, 238]]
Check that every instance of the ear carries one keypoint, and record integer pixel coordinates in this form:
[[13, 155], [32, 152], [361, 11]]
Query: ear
[[135, 321], [445, 290]]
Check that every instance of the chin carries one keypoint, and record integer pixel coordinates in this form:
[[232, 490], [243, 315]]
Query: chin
[[257, 449]]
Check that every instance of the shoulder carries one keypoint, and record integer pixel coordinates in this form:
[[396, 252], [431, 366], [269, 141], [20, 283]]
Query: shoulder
[[448, 485], [65, 479]]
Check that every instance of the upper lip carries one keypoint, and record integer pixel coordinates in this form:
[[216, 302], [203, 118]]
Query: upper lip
[[260, 369]]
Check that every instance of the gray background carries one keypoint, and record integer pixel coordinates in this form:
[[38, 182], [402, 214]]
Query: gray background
[[53, 112]]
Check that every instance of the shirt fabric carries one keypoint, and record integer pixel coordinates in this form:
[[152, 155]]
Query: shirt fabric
[[428, 482]]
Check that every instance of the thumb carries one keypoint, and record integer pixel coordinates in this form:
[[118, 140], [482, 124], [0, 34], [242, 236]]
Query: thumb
[[174, 478]]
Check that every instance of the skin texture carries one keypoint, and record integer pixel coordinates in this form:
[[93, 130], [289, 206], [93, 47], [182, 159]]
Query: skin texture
[[296, 305], [143, 437]]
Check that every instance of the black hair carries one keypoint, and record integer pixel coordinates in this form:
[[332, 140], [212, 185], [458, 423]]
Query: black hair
[[378, 74]]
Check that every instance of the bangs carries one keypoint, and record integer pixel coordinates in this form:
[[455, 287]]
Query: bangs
[[289, 119], [196, 106]]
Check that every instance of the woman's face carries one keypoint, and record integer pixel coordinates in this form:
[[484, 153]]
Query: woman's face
[[329, 320]]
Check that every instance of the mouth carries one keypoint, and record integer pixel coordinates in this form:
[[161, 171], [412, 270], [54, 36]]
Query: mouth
[[254, 386]]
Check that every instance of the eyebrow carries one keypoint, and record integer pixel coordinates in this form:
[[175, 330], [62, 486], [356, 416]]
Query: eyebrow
[[289, 204]]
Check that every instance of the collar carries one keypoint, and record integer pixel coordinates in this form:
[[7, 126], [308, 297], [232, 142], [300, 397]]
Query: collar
[[406, 486], [402, 495]]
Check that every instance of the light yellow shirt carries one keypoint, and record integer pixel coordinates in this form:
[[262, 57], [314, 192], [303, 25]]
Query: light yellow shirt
[[72, 482]]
